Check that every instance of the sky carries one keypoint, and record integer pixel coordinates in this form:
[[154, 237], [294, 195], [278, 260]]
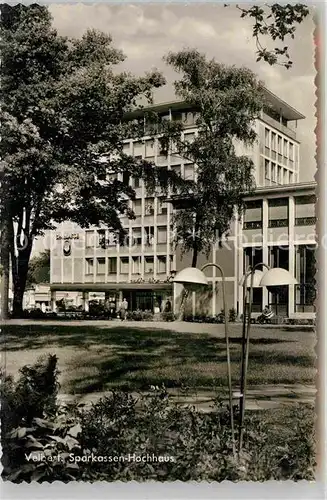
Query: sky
[[147, 32]]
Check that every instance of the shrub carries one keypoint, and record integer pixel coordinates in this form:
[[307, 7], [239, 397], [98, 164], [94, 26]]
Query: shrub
[[232, 315], [33, 395], [139, 315], [192, 445], [168, 316]]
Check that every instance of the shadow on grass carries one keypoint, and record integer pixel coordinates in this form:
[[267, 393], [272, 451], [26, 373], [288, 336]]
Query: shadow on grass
[[135, 358]]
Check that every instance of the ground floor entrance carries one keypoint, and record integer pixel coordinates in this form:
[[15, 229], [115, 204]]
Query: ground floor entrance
[[146, 300]]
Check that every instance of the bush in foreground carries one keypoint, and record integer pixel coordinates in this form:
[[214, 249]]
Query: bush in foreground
[[192, 445]]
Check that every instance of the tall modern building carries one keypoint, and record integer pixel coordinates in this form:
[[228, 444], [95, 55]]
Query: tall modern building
[[278, 228]]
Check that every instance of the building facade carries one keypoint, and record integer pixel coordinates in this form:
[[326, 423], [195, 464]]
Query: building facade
[[92, 261]]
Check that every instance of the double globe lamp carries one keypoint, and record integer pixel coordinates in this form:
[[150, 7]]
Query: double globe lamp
[[192, 278]]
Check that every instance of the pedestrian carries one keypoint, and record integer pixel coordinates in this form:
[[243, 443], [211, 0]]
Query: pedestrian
[[168, 306], [123, 309]]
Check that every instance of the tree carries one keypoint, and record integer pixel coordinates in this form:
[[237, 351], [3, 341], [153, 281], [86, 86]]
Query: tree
[[227, 100], [63, 112], [39, 269], [279, 23]]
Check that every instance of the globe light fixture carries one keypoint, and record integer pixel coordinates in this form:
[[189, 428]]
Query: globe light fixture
[[256, 278], [277, 276], [192, 279]]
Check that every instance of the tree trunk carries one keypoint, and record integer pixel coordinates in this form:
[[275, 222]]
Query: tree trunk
[[5, 263], [20, 281], [19, 268]]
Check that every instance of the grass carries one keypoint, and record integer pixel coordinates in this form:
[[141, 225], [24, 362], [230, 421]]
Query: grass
[[99, 357]]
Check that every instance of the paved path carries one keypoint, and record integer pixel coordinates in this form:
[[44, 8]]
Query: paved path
[[261, 397]]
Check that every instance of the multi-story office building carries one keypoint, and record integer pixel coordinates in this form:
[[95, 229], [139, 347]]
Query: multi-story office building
[[141, 270]]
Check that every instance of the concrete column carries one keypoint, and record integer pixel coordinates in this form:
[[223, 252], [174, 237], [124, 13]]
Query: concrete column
[[53, 301], [85, 301], [265, 221], [291, 255]]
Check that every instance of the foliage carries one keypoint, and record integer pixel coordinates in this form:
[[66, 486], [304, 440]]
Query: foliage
[[227, 100], [63, 109], [279, 23], [168, 316], [219, 318], [139, 315], [33, 395], [39, 269], [232, 315], [192, 445]]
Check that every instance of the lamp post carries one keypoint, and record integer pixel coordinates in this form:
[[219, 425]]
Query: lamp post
[[276, 276], [192, 277]]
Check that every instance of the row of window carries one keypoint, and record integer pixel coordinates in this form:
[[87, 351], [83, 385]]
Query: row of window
[[276, 174], [150, 148], [279, 145], [304, 272], [123, 264], [147, 235], [278, 212]]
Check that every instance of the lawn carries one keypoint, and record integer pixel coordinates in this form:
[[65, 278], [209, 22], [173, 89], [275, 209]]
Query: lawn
[[99, 357]]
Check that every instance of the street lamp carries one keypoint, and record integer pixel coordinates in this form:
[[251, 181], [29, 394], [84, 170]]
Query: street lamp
[[192, 278], [272, 277]]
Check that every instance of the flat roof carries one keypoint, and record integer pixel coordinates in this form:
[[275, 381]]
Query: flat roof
[[287, 111], [281, 188]]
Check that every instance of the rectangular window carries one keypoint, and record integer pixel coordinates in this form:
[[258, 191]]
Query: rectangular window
[[280, 177], [273, 141], [305, 270], [189, 137], [253, 215], [112, 265], [136, 236], [189, 172], [267, 170], [126, 178], [253, 256], [149, 265], [149, 206], [273, 172], [285, 174], [89, 239], [101, 238], [279, 257], [126, 148], [89, 266], [176, 169], [124, 265], [112, 177], [101, 265], [285, 152], [136, 265], [278, 212], [280, 145], [162, 206], [161, 264], [162, 234], [267, 138], [137, 207], [305, 210], [291, 151], [136, 182], [149, 235], [150, 149], [138, 148], [291, 178]]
